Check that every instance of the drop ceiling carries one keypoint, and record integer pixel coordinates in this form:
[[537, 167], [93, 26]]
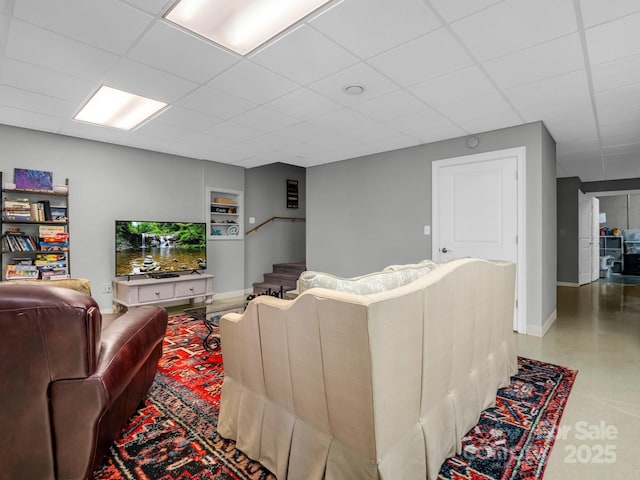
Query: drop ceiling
[[431, 70]]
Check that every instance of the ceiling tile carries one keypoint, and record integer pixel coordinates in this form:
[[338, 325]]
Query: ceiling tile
[[452, 10], [623, 133], [252, 82], [303, 104], [173, 50], [571, 127], [597, 11], [36, 102], [395, 104], [271, 142], [265, 119], [218, 104], [514, 25], [107, 24], [304, 56], [374, 84], [147, 81], [306, 132], [542, 61], [40, 47], [187, 118], [156, 7], [614, 105], [552, 97], [94, 132], [31, 120], [628, 148], [427, 126], [616, 39], [429, 56], [42, 80], [481, 114], [616, 73], [454, 87], [234, 131], [166, 132], [367, 28], [341, 120]]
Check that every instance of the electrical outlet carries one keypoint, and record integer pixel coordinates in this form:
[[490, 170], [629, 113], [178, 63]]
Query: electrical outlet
[[106, 288]]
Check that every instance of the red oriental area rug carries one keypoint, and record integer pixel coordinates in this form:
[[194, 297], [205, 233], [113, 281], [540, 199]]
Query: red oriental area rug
[[173, 435]]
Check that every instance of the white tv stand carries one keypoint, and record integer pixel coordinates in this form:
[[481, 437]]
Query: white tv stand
[[148, 291]]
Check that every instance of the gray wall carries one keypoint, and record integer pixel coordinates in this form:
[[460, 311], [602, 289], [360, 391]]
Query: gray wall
[[109, 182], [623, 211], [279, 241], [369, 212], [568, 231]]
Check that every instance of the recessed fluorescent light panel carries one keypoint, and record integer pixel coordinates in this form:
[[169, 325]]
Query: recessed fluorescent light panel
[[118, 109], [240, 25]]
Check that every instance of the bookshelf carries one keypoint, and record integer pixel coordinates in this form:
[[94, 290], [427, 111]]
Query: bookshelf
[[35, 233]]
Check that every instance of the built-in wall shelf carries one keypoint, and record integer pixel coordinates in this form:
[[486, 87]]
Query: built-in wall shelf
[[225, 214]]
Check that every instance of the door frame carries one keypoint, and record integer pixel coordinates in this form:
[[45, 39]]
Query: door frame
[[520, 153]]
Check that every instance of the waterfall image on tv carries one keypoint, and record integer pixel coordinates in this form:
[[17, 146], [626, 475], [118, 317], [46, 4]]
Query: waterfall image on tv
[[159, 247]]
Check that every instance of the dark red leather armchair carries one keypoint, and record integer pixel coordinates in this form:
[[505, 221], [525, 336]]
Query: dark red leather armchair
[[70, 379]]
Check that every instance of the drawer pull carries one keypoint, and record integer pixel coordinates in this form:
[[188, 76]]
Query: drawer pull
[[157, 292], [191, 288]]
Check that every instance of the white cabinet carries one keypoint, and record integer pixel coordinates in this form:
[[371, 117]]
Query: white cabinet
[[148, 291], [225, 214]]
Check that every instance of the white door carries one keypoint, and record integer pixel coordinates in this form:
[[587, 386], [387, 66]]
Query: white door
[[585, 227], [595, 239], [476, 210]]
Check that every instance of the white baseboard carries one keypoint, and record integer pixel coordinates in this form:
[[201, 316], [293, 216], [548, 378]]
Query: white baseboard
[[536, 331], [567, 284]]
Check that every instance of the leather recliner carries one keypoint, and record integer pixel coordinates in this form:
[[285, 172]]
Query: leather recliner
[[70, 378]]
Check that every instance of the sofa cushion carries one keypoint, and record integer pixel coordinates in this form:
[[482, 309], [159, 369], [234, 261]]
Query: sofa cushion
[[391, 277]]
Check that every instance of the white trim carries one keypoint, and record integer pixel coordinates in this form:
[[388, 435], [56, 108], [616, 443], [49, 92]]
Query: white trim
[[536, 331], [567, 284], [521, 157]]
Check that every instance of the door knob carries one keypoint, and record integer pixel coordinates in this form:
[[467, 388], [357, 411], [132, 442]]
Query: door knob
[[445, 250]]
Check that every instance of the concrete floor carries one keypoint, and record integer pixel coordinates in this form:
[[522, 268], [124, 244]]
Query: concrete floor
[[597, 332]]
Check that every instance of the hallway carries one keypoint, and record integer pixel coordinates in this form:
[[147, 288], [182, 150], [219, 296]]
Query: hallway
[[597, 332]]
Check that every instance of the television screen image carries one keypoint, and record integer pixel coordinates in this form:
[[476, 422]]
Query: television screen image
[[152, 248]]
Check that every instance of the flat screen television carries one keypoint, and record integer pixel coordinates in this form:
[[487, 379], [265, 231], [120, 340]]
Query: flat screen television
[[159, 248]]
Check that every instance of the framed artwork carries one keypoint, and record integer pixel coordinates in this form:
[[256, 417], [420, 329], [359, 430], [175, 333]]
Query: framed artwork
[[292, 194], [26, 179]]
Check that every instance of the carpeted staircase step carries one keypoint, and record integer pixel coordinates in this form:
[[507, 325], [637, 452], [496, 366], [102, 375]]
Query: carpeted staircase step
[[284, 275], [295, 268]]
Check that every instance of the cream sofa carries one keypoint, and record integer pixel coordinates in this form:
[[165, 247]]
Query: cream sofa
[[336, 385]]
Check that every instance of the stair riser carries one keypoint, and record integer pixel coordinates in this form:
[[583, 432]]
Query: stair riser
[[280, 277], [288, 270]]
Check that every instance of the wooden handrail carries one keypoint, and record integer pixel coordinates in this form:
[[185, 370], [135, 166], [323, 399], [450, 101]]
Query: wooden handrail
[[292, 219]]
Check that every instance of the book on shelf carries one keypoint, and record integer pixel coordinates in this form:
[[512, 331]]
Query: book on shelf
[[18, 242]]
